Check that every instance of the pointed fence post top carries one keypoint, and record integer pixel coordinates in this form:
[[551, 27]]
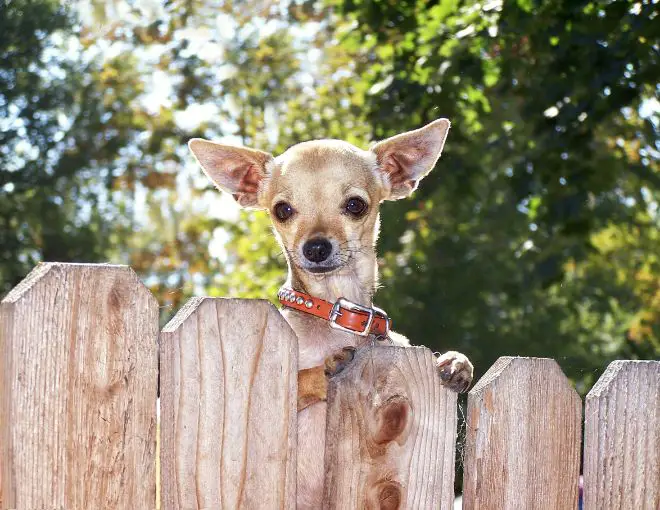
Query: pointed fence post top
[[618, 372], [622, 437], [48, 273], [196, 305], [517, 370]]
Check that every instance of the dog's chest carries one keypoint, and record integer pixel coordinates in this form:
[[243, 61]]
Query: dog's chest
[[316, 339]]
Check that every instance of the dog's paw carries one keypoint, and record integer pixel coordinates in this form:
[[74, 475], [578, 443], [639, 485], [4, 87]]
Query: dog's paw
[[338, 361], [455, 371]]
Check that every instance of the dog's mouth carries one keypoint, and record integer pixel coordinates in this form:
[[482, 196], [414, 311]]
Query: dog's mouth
[[321, 269]]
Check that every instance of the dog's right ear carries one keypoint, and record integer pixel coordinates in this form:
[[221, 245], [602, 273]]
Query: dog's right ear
[[406, 158], [236, 170]]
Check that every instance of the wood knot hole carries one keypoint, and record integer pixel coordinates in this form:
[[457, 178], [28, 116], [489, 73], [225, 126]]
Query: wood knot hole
[[389, 497], [391, 419]]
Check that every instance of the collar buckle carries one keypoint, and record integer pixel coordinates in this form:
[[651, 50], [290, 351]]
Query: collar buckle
[[354, 307]]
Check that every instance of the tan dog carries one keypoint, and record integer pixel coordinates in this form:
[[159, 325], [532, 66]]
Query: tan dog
[[323, 199]]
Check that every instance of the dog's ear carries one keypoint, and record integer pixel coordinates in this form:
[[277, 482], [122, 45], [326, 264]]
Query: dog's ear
[[236, 170], [408, 157]]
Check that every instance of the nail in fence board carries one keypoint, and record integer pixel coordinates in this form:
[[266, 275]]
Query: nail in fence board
[[391, 433], [228, 407], [78, 375], [622, 438], [523, 438]]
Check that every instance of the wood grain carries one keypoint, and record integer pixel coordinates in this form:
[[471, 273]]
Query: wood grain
[[228, 407], [523, 438], [391, 433], [78, 375], [622, 438]]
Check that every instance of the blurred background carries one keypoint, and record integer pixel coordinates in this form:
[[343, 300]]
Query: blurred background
[[537, 234]]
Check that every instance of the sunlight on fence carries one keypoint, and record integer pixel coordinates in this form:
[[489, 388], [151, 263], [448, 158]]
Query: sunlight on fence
[[78, 423]]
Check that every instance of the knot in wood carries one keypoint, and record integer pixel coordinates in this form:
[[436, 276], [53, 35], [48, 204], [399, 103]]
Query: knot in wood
[[389, 497], [391, 419]]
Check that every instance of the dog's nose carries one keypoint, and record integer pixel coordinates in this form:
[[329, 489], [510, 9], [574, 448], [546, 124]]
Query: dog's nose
[[317, 250]]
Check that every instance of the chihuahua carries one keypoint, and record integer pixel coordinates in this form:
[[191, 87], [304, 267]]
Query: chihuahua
[[323, 198]]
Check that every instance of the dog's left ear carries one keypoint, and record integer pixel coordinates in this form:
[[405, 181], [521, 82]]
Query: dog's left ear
[[408, 157], [236, 170]]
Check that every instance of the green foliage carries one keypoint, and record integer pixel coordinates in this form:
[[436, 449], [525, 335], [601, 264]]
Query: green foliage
[[70, 138], [536, 235], [506, 247], [50, 124], [255, 266]]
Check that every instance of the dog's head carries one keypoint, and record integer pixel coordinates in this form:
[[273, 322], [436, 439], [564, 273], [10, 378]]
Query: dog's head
[[323, 195]]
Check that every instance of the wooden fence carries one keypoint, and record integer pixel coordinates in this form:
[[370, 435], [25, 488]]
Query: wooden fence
[[81, 360]]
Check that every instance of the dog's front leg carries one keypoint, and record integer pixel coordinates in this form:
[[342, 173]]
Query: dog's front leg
[[454, 368], [455, 371], [313, 382], [312, 386]]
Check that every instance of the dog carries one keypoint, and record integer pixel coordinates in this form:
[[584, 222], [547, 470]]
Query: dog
[[323, 198]]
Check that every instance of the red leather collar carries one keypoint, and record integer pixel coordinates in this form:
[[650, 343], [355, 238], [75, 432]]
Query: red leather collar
[[343, 314]]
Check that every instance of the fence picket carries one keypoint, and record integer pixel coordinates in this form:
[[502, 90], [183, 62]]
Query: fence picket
[[78, 375], [391, 433], [622, 438], [228, 407], [523, 438]]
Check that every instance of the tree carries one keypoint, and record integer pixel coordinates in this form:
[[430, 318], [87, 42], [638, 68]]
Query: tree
[[226, 79], [36, 82], [536, 234], [71, 120], [503, 249]]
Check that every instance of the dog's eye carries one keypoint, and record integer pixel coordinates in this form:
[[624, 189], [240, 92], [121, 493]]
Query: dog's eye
[[283, 211], [356, 206]]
